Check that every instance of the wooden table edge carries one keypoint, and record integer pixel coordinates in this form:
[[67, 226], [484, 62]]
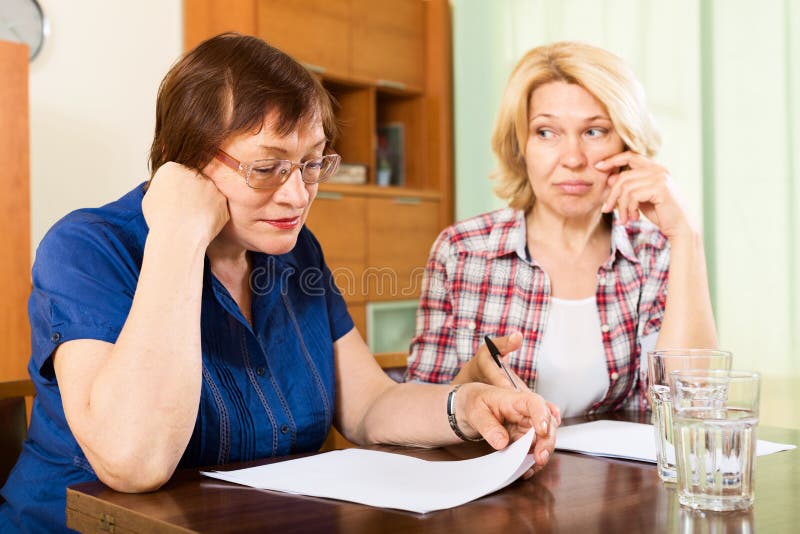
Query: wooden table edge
[[88, 514]]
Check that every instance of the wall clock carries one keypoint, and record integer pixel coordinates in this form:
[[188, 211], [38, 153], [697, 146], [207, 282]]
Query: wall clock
[[23, 21]]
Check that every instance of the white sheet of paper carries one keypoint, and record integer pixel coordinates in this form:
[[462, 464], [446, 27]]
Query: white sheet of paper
[[390, 480], [632, 441]]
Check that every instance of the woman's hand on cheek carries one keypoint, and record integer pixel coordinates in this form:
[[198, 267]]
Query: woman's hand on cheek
[[183, 203], [638, 183]]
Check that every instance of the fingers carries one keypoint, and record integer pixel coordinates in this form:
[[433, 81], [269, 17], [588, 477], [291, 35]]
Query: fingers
[[642, 186], [636, 195], [555, 411], [544, 446], [183, 201], [622, 159], [488, 426], [538, 412], [500, 414], [509, 343], [487, 369]]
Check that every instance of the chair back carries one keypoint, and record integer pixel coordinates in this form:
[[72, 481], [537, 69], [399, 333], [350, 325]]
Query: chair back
[[13, 423]]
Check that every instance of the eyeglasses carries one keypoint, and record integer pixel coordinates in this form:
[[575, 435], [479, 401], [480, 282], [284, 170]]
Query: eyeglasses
[[272, 173]]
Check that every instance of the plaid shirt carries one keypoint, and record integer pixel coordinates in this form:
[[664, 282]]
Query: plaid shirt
[[478, 282]]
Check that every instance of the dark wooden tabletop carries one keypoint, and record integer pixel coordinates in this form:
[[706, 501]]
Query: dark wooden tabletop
[[575, 493]]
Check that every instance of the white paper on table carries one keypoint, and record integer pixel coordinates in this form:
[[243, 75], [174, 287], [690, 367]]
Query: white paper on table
[[631, 441], [390, 480]]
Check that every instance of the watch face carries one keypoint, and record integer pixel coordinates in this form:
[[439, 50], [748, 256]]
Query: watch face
[[22, 21]]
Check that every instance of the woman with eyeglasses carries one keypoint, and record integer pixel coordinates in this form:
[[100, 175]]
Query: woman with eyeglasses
[[194, 321], [582, 284]]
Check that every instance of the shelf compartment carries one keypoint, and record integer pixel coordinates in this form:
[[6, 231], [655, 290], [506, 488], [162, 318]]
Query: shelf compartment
[[355, 113], [406, 110]]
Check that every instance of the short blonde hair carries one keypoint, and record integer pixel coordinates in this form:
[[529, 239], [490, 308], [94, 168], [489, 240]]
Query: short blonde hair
[[607, 77]]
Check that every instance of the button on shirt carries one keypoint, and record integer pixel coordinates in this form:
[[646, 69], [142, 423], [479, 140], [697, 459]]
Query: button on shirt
[[267, 390], [479, 281]]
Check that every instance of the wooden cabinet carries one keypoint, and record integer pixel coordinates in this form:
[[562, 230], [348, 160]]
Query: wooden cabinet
[[401, 232], [350, 38], [315, 32], [338, 223], [388, 42], [384, 63], [15, 239]]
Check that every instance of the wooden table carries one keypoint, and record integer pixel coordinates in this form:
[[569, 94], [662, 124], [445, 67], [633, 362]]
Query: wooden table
[[575, 493]]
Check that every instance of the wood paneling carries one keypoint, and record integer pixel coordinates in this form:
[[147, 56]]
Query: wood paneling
[[389, 41], [438, 105], [206, 18], [337, 221], [401, 232], [15, 239], [314, 32], [358, 311]]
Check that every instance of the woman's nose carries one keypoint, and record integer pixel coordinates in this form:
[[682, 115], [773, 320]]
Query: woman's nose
[[573, 156], [293, 191]]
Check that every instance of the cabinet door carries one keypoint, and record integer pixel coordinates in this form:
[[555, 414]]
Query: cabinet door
[[400, 233], [389, 41], [337, 221], [314, 32], [15, 239]]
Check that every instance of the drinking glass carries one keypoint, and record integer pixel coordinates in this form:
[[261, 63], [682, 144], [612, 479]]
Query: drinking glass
[[659, 364], [715, 415]]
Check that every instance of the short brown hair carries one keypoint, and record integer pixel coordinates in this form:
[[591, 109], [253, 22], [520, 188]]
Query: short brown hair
[[604, 75], [225, 86]]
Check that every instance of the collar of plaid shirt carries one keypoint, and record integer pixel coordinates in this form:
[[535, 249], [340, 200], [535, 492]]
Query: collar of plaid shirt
[[514, 238]]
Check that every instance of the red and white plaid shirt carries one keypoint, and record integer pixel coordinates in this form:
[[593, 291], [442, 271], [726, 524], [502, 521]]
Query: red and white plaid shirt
[[479, 282]]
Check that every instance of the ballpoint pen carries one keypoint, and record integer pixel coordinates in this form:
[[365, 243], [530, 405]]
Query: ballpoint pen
[[496, 356]]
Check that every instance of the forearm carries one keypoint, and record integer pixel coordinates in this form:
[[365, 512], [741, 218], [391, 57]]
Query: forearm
[[143, 402], [688, 318], [411, 414]]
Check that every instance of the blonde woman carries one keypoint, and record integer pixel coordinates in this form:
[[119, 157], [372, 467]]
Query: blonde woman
[[578, 281]]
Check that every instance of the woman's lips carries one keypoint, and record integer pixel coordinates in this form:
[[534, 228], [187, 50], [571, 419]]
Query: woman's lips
[[283, 224], [574, 187]]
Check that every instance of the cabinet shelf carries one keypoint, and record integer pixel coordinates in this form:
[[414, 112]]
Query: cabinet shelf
[[357, 82], [370, 190]]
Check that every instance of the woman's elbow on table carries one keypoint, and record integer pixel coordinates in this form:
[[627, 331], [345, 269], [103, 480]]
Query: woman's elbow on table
[[130, 473]]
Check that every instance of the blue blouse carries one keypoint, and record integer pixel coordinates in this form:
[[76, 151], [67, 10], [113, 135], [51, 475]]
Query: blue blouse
[[268, 390]]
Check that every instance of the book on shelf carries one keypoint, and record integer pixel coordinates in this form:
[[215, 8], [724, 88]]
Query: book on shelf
[[391, 154], [350, 173]]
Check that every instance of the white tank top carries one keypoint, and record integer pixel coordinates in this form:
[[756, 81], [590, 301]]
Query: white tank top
[[571, 370]]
